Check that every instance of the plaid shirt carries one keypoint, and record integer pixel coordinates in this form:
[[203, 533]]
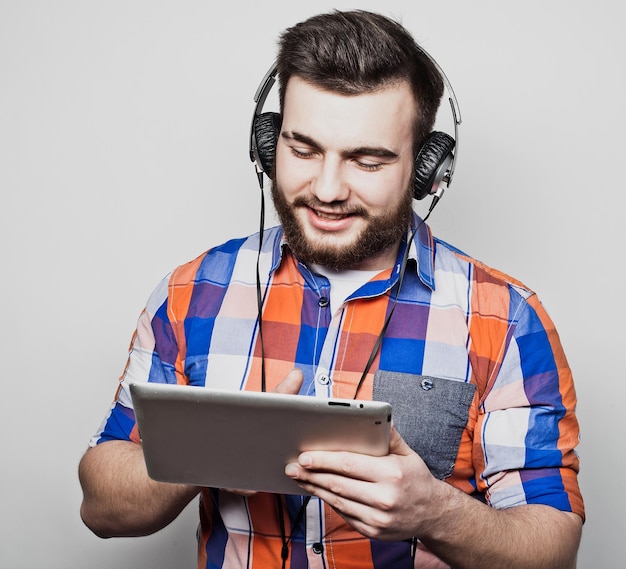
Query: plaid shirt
[[471, 362]]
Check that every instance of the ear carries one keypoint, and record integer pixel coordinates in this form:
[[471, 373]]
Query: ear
[[265, 130], [431, 163]]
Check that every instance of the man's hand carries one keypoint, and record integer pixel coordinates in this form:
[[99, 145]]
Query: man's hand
[[290, 385], [387, 497], [395, 497]]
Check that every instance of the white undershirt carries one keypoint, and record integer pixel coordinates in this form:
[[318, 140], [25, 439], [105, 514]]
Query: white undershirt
[[343, 283]]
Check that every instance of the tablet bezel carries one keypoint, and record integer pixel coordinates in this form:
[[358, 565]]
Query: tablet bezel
[[243, 439]]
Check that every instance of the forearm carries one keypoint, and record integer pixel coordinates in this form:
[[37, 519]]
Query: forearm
[[120, 499], [467, 534]]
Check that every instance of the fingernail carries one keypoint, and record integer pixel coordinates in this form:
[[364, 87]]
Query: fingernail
[[305, 460], [291, 470]]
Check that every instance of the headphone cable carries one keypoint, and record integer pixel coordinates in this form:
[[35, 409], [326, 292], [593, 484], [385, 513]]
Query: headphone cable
[[286, 540], [405, 259], [259, 295]]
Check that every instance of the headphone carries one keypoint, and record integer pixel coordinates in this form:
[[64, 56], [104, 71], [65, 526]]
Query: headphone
[[434, 163]]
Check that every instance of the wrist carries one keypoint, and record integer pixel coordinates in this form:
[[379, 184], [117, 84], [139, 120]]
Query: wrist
[[442, 513]]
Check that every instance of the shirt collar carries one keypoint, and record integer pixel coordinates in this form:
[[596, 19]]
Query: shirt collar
[[421, 253]]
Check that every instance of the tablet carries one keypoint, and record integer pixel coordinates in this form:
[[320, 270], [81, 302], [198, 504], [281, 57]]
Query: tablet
[[243, 439]]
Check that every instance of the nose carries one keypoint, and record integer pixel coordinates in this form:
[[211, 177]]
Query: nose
[[330, 185]]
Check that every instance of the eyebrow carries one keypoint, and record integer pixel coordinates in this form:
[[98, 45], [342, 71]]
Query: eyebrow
[[379, 151]]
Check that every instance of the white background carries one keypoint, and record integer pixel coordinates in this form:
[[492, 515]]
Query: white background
[[123, 152]]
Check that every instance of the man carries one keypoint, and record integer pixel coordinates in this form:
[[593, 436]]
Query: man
[[481, 470]]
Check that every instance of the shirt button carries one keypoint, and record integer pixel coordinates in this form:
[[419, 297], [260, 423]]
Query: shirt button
[[323, 379], [323, 301], [318, 548]]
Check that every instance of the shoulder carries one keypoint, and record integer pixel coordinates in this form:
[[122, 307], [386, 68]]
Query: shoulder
[[453, 262], [218, 263]]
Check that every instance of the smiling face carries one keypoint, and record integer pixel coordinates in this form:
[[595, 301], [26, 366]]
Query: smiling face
[[343, 179]]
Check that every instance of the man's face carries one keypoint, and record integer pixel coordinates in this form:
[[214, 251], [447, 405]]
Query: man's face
[[343, 176]]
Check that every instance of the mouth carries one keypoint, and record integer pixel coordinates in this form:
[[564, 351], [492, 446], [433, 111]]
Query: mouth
[[331, 216], [325, 221]]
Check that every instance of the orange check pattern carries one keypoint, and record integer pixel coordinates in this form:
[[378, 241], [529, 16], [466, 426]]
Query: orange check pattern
[[456, 320]]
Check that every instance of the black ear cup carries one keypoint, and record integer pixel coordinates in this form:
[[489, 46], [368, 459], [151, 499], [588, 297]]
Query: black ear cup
[[431, 163], [265, 131]]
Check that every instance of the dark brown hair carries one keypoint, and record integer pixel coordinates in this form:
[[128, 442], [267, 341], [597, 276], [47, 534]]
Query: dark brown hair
[[358, 51]]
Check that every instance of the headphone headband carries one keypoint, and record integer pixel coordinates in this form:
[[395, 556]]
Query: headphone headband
[[260, 96], [444, 170], [454, 107]]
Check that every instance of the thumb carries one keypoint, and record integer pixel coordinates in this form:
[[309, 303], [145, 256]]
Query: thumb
[[397, 445], [292, 382]]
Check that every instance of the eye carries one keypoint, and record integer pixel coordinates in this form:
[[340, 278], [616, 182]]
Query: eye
[[302, 153], [369, 166]]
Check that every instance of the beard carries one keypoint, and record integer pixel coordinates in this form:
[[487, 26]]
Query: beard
[[380, 233]]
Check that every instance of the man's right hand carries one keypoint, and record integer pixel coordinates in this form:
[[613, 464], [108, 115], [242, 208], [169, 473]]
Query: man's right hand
[[290, 385], [292, 382]]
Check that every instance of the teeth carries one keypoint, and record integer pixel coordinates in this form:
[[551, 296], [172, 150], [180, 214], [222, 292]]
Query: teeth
[[329, 215]]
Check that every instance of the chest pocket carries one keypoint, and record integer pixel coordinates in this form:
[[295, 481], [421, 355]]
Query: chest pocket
[[430, 413]]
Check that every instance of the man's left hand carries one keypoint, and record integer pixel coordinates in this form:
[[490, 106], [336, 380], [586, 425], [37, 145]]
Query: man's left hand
[[386, 498]]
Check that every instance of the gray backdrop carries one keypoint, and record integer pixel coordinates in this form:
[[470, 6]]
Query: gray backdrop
[[123, 152]]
